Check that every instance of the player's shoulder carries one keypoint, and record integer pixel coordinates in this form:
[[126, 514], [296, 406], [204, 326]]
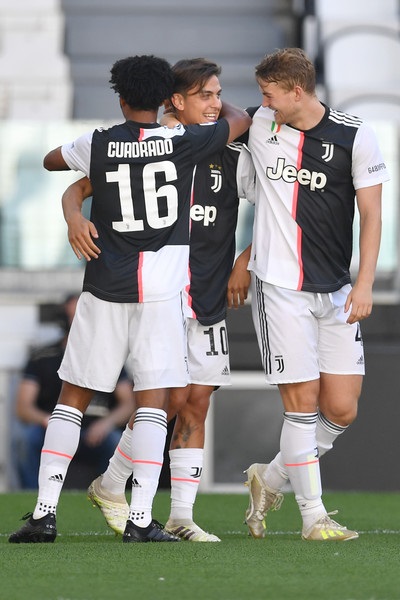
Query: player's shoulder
[[252, 110], [344, 119], [206, 128], [230, 155], [235, 147]]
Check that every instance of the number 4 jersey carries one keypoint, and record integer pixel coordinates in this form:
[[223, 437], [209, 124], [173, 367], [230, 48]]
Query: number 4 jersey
[[142, 180]]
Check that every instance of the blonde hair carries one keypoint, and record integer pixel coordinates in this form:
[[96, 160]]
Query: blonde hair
[[288, 67]]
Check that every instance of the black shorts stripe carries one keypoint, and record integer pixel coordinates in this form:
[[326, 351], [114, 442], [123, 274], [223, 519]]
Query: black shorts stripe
[[263, 325]]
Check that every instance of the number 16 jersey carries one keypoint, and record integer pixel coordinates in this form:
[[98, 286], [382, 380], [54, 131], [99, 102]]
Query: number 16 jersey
[[142, 180]]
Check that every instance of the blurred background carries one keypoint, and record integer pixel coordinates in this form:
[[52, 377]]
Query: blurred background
[[55, 59]]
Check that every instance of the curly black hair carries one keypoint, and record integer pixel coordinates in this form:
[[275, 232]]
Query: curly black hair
[[144, 82]]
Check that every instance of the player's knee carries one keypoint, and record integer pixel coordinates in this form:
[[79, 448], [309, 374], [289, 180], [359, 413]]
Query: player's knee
[[344, 417], [349, 417], [177, 401]]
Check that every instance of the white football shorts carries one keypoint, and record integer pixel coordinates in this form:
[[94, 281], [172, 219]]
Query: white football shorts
[[208, 353], [148, 338], [303, 334]]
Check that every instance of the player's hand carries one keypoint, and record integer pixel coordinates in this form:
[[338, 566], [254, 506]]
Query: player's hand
[[238, 286], [359, 303], [168, 118], [81, 233]]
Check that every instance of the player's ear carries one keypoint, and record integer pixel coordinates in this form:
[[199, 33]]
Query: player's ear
[[298, 93], [178, 101]]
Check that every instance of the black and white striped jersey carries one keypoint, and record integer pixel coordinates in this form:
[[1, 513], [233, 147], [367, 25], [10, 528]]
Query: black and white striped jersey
[[142, 179], [219, 181], [305, 197]]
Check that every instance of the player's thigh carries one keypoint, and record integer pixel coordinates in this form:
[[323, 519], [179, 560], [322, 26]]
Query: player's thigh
[[97, 345], [287, 333], [339, 396], [157, 344], [341, 350]]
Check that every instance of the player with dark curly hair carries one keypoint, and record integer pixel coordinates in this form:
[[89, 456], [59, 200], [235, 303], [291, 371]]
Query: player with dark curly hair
[[219, 181], [130, 308], [144, 82]]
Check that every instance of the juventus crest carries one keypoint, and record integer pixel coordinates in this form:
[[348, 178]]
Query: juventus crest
[[328, 151], [216, 178]]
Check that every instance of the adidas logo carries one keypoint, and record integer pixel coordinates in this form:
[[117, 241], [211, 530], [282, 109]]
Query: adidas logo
[[360, 360], [58, 478], [135, 483], [273, 140], [225, 371], [331, 533]]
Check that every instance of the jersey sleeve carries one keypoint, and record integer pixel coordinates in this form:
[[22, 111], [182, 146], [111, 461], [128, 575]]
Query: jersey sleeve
[[77, 154], [246, 176], [368, 166], [208, 138]]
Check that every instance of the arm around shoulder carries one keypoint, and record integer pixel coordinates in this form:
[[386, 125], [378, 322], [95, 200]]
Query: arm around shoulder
[[238, 119]]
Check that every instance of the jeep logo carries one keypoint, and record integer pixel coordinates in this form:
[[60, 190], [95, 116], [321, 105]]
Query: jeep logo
[[208, 214], [290, 174]]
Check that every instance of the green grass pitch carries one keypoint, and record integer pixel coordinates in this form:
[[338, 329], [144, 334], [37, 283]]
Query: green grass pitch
[[87, 562]]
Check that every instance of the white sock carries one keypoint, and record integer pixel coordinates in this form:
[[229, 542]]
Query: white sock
[[326, 433], [120, 466], [186, 468], [59, 447], [275, 475], [300, 455], [147, 451]]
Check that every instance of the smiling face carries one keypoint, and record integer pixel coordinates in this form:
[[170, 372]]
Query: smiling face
[[199, 105], [283, 102]]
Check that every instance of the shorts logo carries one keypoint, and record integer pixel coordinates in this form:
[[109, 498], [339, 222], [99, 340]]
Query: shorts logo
[[280, 365]]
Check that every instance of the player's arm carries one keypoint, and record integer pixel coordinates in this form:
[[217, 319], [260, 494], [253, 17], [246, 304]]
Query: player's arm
[[239, 280], [239, 120], [360, 297], [81, 231], [54, 161], [246, 176]]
